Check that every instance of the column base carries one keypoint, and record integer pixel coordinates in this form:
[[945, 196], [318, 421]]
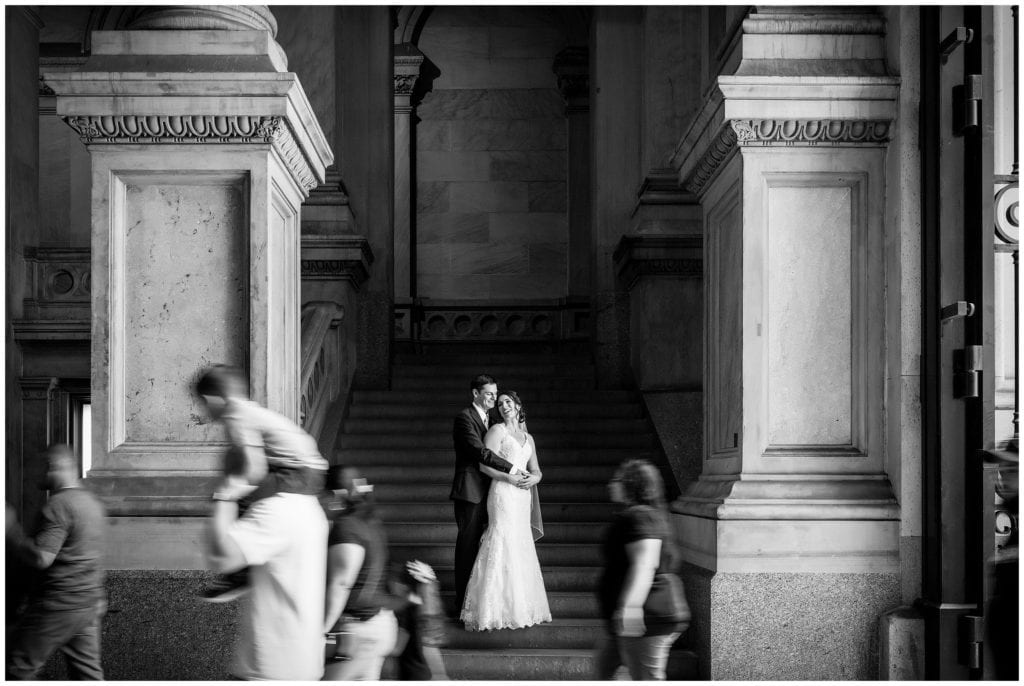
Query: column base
[[787, 625]]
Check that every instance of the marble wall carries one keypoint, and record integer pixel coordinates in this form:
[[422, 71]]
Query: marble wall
[[490, 157], [174, 249]]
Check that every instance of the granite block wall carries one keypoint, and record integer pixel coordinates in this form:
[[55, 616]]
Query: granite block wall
[[490, 157], [157, 629]]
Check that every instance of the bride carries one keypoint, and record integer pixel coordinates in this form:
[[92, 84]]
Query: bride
[[506, 589]]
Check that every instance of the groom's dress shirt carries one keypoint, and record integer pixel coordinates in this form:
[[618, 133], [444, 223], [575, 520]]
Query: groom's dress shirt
[[483, 415]]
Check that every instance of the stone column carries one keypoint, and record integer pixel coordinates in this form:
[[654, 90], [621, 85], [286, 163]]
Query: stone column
[[203, 147], [22, 187], [408, 60], [572, 68], [615, 138], [366, 161], [792, 529]]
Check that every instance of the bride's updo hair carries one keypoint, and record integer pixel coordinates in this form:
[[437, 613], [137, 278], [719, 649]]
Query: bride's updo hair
[[518, 402]]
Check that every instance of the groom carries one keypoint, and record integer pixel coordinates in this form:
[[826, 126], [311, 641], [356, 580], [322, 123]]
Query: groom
[[470, 485]]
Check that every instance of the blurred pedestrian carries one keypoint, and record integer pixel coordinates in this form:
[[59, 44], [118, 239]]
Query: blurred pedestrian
[[65, 609], [640, 559], [423, 619], [269, 454], [359, 615]]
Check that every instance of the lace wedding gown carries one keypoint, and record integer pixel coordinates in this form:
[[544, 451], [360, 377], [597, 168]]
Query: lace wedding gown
[[506, 589]]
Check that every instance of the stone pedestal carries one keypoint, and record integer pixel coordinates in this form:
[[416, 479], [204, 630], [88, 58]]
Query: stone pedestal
[[792, 529], [203, 148]]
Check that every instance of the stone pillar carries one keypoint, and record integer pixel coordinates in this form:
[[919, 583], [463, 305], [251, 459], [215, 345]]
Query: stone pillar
[[203, 147], [792, 530], [573, 71], [615, 139], [366, 161], [22, 188], [408, 60]]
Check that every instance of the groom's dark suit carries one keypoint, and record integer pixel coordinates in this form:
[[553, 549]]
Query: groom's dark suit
[[469, 491]]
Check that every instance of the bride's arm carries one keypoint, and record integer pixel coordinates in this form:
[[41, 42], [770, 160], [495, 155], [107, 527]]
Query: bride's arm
[[533, 466], [493, 442]]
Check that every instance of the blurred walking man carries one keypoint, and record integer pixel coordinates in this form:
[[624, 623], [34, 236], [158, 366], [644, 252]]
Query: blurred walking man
[[67, 549]]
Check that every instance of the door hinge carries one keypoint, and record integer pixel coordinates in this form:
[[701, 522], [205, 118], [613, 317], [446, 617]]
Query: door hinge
[[967, 104], [966, 367], [970, 637]]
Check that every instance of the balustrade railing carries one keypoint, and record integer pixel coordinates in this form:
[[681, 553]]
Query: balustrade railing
[[321, 363], [460, 320]]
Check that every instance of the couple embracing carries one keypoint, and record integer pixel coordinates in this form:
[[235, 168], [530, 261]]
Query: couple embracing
[[498, 582]]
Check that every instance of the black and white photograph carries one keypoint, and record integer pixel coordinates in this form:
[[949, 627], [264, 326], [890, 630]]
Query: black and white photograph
[[511, 342]]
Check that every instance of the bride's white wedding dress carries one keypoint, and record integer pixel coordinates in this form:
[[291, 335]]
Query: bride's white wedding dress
[[506, 589]]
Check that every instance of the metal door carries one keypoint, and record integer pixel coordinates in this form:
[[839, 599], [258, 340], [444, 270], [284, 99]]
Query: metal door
[[958, 247]]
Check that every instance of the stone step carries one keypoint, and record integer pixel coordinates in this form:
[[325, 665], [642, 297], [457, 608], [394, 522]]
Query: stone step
[[555, 492], [463, 397], [552, 554], [499, 370], [571, 633], [444, 533], [557, 578], [518, 664], [388, 475], [563, 604], [546, 441], [548, 664], [445, 413], [443, 511], [522, 384], [420, 512], [547, 455], [538, 425]]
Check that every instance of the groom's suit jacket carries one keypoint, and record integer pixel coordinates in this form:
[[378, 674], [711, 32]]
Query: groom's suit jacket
[[468, 433]]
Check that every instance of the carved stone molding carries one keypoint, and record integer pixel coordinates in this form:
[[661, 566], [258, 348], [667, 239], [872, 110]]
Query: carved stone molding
[[350, 270], [810, 132], [202, 128], [37, 387], [197, 128], [721, 148], [676, 256], [336, 258]]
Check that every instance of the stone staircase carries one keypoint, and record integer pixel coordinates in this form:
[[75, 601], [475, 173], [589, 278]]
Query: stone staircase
[[401, 440]]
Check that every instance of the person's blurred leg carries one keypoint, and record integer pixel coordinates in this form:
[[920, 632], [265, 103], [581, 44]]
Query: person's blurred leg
[[371, 642], [83, 652], [647, 656], [37, 635]]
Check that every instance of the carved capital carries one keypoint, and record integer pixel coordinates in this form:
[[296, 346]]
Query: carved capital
[[810, 132], [404, 83], [197, 129]]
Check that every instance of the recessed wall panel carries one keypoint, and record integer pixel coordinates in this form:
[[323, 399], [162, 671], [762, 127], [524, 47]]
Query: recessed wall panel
[[809, 315], [185, 286]]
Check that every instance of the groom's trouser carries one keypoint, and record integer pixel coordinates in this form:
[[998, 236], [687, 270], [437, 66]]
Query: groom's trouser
[[471, 518]]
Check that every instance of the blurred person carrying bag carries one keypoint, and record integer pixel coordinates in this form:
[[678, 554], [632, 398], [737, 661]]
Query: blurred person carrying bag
[[666, 610]]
